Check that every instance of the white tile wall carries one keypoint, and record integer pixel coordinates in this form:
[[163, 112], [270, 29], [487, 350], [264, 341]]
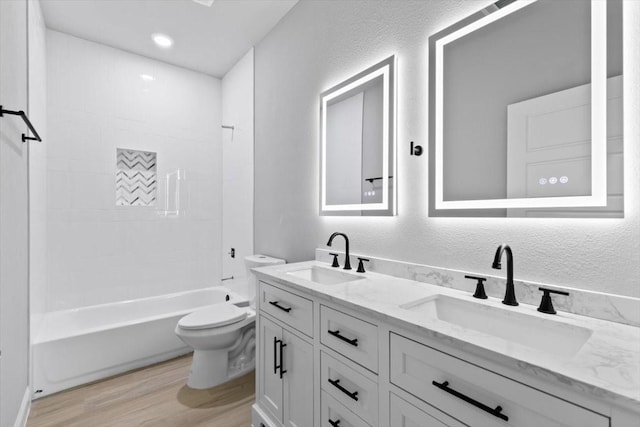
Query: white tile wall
[[237, 196], [98, 252]]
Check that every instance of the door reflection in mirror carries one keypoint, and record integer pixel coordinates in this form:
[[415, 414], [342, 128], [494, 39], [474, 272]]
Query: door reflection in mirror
[[526, 110]]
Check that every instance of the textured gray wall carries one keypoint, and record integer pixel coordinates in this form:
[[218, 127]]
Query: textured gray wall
[[319, 44]]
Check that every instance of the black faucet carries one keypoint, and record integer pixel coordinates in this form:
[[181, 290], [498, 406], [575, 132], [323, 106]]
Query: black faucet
[[347, 264], [509, 294]]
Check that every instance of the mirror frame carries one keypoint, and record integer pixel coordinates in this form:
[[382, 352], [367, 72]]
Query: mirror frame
[[388, 207], [478, 20]]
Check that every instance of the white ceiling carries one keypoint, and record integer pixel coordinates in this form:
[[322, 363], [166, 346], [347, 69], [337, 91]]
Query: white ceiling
[[207, 39]]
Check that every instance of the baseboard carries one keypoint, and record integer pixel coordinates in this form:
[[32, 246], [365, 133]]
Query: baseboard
[[25, 406]]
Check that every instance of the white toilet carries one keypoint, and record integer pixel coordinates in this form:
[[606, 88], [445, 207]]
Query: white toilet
[[223, 335]]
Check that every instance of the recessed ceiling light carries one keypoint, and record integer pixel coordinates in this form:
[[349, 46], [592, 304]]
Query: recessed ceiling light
[[147, 77], [162, 40], [204, 2]]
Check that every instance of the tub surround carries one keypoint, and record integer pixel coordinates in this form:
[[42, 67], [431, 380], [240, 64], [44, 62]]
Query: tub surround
[[97, 102], [605, 368]]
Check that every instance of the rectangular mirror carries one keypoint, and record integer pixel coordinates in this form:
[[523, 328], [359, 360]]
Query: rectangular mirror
[[526, 111], [357, 144]]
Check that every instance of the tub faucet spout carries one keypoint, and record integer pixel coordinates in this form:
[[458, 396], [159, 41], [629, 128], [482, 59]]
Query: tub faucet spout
[[347, 263]]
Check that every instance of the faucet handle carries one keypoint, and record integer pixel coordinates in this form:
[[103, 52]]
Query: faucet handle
[[361, 265], [479, 293], [546, 305], [335, 260]]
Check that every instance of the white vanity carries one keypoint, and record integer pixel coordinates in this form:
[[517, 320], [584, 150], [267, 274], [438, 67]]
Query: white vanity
[[347, 349]]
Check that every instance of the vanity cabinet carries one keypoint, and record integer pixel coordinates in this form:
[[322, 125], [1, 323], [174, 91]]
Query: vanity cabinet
[[324, 364], [285, 368]]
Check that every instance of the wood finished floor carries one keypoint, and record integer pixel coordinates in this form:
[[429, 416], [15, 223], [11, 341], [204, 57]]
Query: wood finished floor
[[155, 396]]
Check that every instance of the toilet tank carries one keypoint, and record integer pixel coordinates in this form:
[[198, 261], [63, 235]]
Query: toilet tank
[[253, 261]]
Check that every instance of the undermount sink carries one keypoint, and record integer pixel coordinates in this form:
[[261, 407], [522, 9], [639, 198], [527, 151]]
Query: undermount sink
[[324, 276], [548, 335]]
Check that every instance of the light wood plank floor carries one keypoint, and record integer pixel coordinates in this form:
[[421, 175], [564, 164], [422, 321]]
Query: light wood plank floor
[[155, 396]]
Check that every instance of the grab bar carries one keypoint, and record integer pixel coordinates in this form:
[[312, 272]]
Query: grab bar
[[21, 113]]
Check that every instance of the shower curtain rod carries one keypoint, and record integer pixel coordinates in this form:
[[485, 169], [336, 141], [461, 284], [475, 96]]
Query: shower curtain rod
[[21, 113]]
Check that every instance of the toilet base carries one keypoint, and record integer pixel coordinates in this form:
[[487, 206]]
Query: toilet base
[[220, 354], [208, 369]]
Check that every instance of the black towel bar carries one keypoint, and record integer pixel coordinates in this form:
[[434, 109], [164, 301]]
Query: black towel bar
[[22, 114], [375, 179]]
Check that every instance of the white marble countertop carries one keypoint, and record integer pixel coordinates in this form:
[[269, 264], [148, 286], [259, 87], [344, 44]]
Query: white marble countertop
[[606, 367]]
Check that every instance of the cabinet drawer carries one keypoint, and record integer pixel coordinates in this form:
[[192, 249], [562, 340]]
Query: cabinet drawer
[[334, 414], [470, 393], [404, 414], [357, 392], [350, 336], [292, 309]]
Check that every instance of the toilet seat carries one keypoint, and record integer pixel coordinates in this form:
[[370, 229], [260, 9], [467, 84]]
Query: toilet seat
[[212, 316]]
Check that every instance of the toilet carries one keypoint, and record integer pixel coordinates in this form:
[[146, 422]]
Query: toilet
[[223, 335]]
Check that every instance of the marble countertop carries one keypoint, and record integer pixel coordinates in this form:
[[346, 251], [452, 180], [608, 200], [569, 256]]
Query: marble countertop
[[606, 367]]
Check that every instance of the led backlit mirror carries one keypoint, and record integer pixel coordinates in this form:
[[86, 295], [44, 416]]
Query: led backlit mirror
[[357, 144], [526, 111]]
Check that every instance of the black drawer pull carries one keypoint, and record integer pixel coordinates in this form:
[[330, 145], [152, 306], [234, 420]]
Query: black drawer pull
[[334, 423], [336, 384], [353, 342], [495, 412], [275, 304]]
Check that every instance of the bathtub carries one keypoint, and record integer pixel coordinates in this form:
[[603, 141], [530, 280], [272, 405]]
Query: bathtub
[[77, 346]]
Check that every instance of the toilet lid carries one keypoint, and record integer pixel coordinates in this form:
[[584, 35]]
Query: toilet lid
[[213, 315]]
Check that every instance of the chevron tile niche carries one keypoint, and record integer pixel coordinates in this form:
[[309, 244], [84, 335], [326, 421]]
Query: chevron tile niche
[[136, 178]]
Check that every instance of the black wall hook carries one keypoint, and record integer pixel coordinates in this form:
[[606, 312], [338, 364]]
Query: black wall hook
[[415, 150]]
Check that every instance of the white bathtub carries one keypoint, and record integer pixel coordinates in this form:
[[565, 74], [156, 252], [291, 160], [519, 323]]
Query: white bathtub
[[77, 346]]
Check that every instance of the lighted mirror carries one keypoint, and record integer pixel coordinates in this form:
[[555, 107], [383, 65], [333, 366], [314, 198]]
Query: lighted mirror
[[526, 111], [357, 144]]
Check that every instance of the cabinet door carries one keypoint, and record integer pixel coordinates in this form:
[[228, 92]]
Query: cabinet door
[[270, 385], [298, 381]]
